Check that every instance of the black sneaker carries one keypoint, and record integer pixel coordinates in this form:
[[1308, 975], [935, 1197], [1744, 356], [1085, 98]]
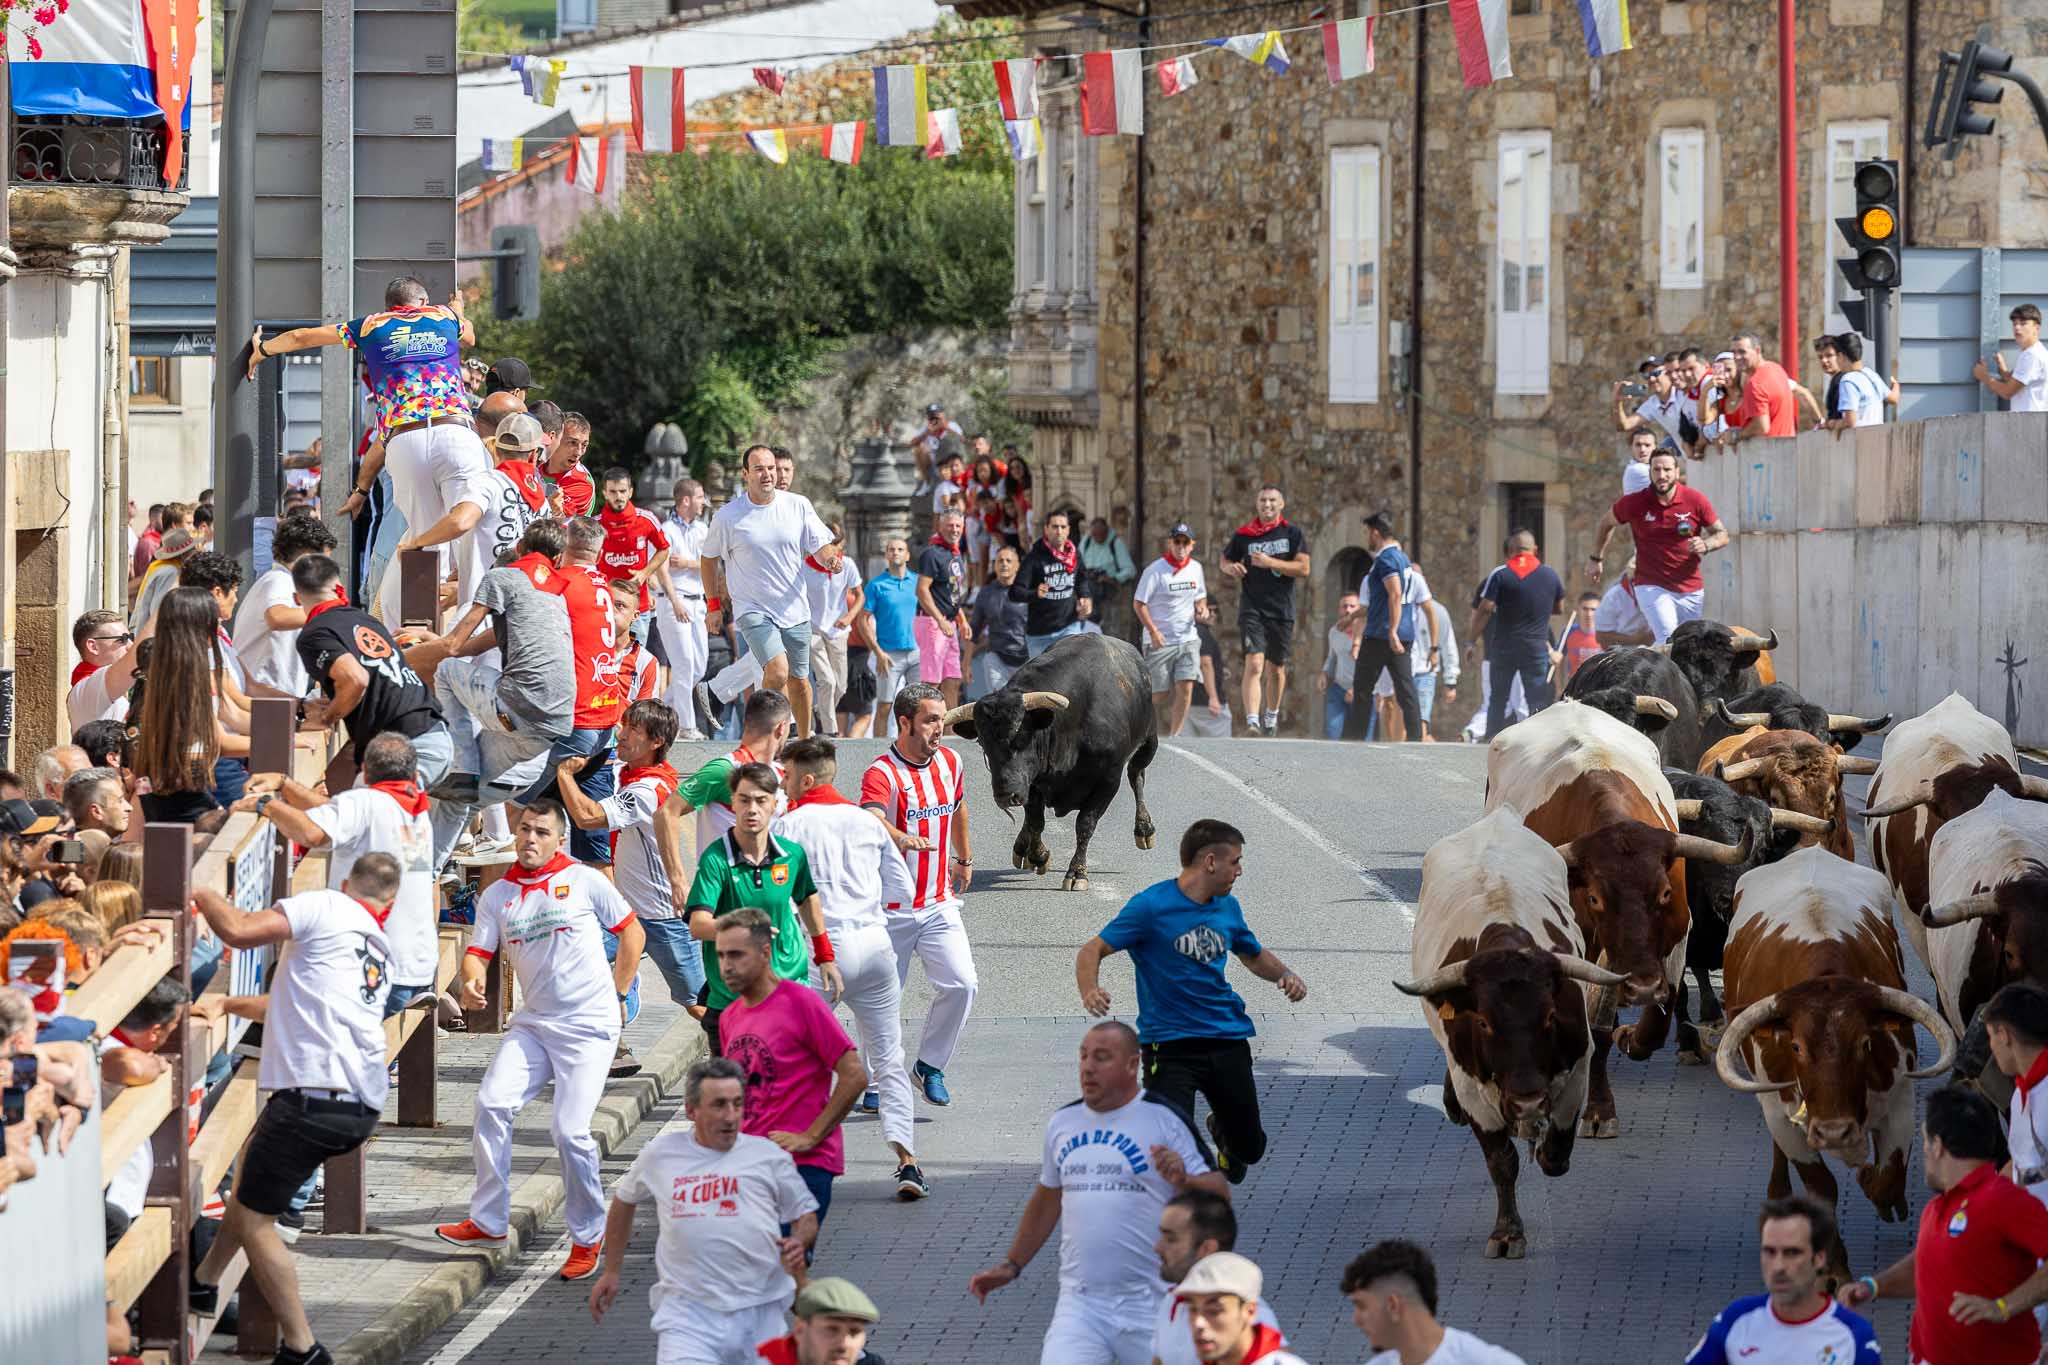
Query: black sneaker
[[1233, 1171], [316, 1354], [911, 1184], [624, 1063], [203, 1299]]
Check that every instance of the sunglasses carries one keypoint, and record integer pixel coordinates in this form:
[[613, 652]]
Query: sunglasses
[[125, 637]]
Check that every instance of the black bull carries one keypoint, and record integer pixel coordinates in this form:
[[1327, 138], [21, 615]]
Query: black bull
[[1062, 733]]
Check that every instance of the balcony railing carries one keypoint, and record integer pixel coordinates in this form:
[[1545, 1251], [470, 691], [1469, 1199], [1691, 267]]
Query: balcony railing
[[68, 149]]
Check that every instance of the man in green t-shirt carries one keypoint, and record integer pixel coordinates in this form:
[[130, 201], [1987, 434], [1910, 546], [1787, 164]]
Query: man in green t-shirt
[[708, 791], [753, 868]]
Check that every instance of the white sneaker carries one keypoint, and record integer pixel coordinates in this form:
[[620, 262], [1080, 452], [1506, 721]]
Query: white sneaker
[[484, 846], [692, 735], [1251, 726]]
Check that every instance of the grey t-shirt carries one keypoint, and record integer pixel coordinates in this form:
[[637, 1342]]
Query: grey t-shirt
[[538, 688]]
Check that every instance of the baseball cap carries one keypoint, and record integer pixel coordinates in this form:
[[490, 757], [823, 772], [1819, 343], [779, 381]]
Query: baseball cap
[[1181, 530], [30, 818], [934, 409], [839, 1298], [1650, 362], [511, 372], [1225, 1272], [520, 434]]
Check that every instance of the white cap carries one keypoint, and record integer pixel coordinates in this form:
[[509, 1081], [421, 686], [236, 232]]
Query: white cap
[[1225, 1272]]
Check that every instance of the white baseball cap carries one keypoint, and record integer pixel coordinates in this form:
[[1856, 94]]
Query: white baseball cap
[[1225, 1272]]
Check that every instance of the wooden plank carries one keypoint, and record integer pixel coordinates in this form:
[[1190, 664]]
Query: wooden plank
[[227, 1127], [127, 975], [228, 845], [133, 1262], [200, 1327], [129, 1119], [401, 1026]]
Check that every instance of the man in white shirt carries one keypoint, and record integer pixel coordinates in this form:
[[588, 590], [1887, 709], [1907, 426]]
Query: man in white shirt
[[1635, 475], [1392, 1288], [857, 870], [724, 1262], [1111, 1162], [323, 1064], [1222, 1297], [1194, 1225], [1860, 393], [684, 641], [832, 590], [2016, 1024], [1172, 595], [385, 812], [754, 555], [267, 624], [1662, 409], [129, 1057], [2024, 382], [547, 914], [105, 670]]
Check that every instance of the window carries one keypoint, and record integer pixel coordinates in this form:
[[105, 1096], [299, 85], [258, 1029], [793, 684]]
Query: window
[[1354, 275], [1521, 505], [1522, 300], [1525, 6], [1848, 143], [1682, 178], [149, 379]]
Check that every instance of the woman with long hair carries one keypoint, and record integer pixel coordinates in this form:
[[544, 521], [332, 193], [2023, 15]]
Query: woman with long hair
[[178, 733]]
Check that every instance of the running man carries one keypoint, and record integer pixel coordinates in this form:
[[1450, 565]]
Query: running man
[[764, 729], [1266, 556], [1795, 1322], [1194, 1028], [832, 1322], [1223, 1295], [1673, 525], [1392, 1288], [918, 786], [547, 913], [1194, 1224], [1111, 1162], [858, 870], [635, 546], [735, 1223]]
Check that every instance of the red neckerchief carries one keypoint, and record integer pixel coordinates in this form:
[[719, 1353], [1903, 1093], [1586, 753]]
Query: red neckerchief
[[1522, 565], [665, 779], [1266, 1341], [811, 561], [378, 915], [526, 880], [537, 567], [340, 599], [822, 795], [84, 669], [1255, 527], [949, 546], [410, 799], [1067, 560], [123, 1039], [618, 521], [2035, 1075], [1175, 564], [526, 479], [781, 1351]]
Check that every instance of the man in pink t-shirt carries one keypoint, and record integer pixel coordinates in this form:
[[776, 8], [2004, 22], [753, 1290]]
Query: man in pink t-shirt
[[803, 1072]]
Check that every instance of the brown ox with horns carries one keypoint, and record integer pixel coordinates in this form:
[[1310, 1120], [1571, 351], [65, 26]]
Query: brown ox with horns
[[1794, 771]]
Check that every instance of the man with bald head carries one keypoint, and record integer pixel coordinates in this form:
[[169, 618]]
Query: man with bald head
[[1511, 624], [494, 410], [1111, 1161]]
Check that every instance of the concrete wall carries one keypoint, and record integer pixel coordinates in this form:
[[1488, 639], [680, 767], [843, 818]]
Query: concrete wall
[[1897, 564]]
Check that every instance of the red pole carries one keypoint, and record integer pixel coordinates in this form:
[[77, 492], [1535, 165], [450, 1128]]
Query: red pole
[[1788, 187]]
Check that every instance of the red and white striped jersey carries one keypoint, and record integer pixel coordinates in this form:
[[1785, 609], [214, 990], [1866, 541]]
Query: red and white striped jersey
[[920, 799]]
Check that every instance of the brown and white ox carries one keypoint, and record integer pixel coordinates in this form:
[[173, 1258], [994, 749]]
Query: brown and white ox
[[1820, 1015], [1496, 956], [1935, 767], [1592, 788], [1791, 770]]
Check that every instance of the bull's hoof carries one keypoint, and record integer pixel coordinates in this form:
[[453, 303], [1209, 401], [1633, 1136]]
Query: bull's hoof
[[1074, 883], [1147, 840], [1691, 1056], [1042, 862], [1513, 1247], [1598, 1129], [1017, 860]]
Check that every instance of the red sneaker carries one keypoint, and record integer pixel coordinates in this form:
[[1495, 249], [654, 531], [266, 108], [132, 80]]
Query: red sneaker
[[467, 1234], [582, 1262]]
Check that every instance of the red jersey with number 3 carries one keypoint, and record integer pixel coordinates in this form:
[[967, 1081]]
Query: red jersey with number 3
[[599, 693], [920, 799]]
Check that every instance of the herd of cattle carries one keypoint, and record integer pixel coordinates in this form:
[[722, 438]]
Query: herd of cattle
[[1682, 809]]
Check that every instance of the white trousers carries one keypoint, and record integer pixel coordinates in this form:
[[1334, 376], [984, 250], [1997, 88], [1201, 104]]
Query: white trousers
[[936, 936], [1666, 610], [1100, 1329], [828, 681], [430, 469], [874, 992], [688, 648], [710, 1336], [578, 1062]]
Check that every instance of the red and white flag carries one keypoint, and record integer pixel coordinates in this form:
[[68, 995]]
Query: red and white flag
[[1177, 75], [1482, 29], [1017, 87], [943, 137], [768, 78], [590, 163], [843, 141], [1113, 92], [1347, 48], [657, 107]]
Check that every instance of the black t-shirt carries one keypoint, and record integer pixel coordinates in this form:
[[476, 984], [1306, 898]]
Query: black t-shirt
[[1207, 648], [1523, 603], [1264, 591], [1834, 399], [395, 699], [947, 569], [1054, 612]]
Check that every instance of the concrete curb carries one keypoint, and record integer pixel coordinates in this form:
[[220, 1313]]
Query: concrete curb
[[449, 1287]]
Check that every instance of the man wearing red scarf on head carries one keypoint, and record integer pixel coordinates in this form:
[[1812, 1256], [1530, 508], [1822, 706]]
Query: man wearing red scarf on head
[[548, 915]]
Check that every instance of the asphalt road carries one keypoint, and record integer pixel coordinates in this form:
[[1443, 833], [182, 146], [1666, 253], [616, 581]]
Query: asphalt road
[[1630, 1253]]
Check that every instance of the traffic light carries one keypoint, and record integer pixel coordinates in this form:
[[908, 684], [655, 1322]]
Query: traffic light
[[1959, 88], [1874, 233], [515, 273]]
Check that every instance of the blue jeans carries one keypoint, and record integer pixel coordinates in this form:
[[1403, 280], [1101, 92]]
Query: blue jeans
[[1425, 693], [230, 776], [1035, 645], [678, 957], [1335, 711], [1503, 662], [594, 846], [575, 744]]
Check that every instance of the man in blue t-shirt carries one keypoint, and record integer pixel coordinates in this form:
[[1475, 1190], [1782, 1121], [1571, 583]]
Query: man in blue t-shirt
[[1192, 1027], [889, 611], [1385, 603], [1511, 626], [1796, 1323]]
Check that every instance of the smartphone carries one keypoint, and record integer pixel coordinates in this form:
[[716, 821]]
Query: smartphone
[[13, 1105], [1635, 390], [25, 1069], [68, 851]]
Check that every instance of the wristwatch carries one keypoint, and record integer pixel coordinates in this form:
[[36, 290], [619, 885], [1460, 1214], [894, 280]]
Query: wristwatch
[[263, 801]]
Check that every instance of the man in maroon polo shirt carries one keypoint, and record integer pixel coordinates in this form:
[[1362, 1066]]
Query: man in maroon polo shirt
[[1975, 1270], [1673, 525]]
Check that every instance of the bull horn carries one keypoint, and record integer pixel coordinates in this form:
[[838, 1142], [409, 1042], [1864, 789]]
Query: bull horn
[[1752, 644], [956, 715], [1655, 706], [1850, 765], [1712, 851], [1689, 809], [1578, 969], [1980, 906], [1746, 768], [1569, 852], [1799, 820], [1739, 1029], [1741, 720], [1437, 982], [1860, 724], [2034, 787], [1664, 649], [1927, 1017], [1041, 701], [1920, 796]]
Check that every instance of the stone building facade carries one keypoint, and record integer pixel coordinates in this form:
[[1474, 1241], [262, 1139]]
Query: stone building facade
[[1323, 288]]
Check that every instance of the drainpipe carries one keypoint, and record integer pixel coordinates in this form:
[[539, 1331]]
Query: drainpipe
[[1415, 273], [235, 400], [113, 541], [7, 568], [1138, 316], [1788, 182]]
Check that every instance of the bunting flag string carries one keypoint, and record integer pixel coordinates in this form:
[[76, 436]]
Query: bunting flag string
[[843, 142], [1027, 139], [1112, 93], [658, 108], [1606, 25], [1260, 49], [1177, 75], [944, 139], [771, 143], [590, 164], [1347, 48], [902, 109], [1017, 88], [768, 78], [504, 154], [1482, 31]]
